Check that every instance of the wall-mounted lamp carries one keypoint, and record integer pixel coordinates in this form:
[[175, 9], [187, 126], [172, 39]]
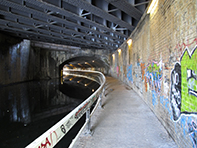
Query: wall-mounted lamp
[[152, 6], [119, 50], [129, 42]]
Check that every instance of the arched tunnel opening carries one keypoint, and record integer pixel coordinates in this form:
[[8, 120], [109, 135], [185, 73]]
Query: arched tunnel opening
[[69, 85], [86, 63]]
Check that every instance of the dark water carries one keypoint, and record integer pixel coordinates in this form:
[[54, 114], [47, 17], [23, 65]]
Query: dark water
[[29, 109]]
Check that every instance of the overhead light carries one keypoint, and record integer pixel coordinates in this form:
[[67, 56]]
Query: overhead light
[[152, 6], [119, 50], [65, 67], [129, 42]]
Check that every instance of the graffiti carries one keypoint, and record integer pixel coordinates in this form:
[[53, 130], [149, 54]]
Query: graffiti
[[47, 142], [138, 75], [117, 70], [142, 70], [184, 85], [51, 137], [166, 104], [81, 111], [193, 132], [176, 52], [129, 73], [175, 96], [181, 47], [189, 81], [154, 76], [166, 83], [154, 98], [189, 127], [63, 128], [93, 99]]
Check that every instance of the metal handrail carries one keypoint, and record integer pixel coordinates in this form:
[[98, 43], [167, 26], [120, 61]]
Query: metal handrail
[[53, 135]]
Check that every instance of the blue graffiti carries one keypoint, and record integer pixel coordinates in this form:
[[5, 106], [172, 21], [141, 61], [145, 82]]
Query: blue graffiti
[[193, 132], [166, 105], [189, 127], [129, 73], [183, 125], [154, 76], [154, 98]]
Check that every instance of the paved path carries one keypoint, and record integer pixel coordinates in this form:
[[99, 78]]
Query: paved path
[[124, 122]]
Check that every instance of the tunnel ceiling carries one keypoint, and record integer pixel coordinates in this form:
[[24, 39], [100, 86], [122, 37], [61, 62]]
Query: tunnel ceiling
[[90, 24], [85, 62]]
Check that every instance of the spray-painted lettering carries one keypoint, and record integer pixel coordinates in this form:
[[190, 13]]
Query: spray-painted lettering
[[81, 111], [45, 144], [183, 95], [154, 76], [129, 73]]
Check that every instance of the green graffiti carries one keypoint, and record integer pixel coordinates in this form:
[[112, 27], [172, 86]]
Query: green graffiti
[[154, 68], [189, 81]]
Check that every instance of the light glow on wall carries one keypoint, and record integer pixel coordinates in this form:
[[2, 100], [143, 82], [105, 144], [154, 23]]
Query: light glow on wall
[[129, 42], [152, 6], [119, 50], [113, 55]]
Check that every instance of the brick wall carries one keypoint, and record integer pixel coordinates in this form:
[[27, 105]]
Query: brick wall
[[161, 66]]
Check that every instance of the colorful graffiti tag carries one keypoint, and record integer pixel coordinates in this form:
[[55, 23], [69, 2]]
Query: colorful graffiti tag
[[153, 76], [129, 73], [193, 132], [184, 85]]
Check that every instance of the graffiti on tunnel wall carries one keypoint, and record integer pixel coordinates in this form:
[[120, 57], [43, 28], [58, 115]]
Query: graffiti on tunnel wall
[[138, 73], [150, 75], [129, 73], [193, 132], [153, 76], [183, 95]]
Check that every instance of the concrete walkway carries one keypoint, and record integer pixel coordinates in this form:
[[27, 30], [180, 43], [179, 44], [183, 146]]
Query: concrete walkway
[[124, 122]]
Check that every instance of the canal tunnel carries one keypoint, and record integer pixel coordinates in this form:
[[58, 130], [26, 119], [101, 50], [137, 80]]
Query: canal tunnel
[[148, 45]]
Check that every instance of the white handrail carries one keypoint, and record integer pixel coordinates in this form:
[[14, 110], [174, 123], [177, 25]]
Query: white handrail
[[53, 135]]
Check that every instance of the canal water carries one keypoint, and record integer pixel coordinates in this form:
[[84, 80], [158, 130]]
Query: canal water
[[29, 109]]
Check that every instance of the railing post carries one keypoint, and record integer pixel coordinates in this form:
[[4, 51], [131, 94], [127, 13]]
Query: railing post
[[88, 119], [101, 96]]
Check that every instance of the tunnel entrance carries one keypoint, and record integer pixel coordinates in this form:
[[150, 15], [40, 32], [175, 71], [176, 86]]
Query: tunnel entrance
[[95, 63]]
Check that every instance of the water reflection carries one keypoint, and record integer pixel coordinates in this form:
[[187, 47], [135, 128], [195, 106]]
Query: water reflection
[[29, 109]]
